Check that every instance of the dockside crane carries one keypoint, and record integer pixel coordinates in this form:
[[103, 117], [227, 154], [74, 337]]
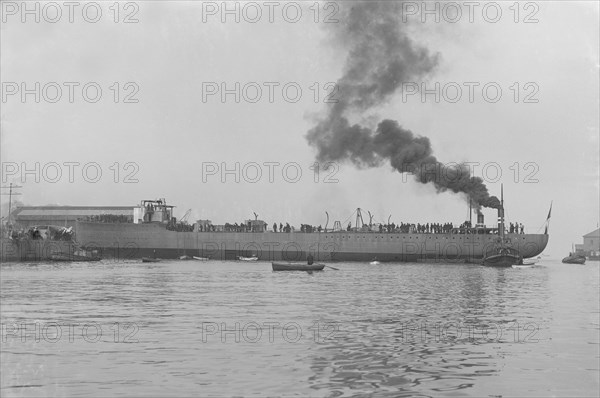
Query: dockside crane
[[183, 219]]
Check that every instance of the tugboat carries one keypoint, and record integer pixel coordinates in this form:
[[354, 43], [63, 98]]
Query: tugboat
[[502, 254], [574, 258]]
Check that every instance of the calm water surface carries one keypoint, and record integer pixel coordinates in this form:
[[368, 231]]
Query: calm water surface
[[239, 329]]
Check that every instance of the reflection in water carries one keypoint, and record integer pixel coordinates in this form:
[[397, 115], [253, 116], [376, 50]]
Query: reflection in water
[[417, 348], [226, 328]]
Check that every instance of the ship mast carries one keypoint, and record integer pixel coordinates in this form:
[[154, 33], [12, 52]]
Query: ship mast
[[470, 213], [10, 195], [359, 217]]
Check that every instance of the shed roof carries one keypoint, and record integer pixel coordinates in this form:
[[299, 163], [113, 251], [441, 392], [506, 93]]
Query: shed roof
[[593, 234], [65, 212]]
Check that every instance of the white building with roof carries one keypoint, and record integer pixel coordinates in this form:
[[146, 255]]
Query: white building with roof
[[591, 244]]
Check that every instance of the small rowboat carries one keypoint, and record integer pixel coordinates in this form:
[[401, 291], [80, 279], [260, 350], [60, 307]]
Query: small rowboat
[[375, 262], [253, 258], [201, 258], [297, 267], [150, 260]]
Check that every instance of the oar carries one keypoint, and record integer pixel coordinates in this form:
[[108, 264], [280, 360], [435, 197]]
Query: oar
[[329, 266]]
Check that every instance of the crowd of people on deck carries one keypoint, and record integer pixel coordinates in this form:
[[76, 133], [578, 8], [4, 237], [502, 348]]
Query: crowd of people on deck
[[180, 227], [433, 228], [404, 228], [206, 228], [515, 228], [241, 227], [310, 228], [109, 218], [429, 228], [284, 228]]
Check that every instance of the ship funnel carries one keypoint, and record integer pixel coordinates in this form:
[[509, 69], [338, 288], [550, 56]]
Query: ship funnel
[[480, 219], [501, 213]]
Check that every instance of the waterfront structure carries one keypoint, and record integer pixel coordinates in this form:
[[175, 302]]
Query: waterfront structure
[[591, 245]]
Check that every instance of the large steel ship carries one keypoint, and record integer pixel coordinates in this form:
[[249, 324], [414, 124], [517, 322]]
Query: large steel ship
[[153, 232]]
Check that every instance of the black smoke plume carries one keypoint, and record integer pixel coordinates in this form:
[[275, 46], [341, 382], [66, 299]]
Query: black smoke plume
[[381, 57]]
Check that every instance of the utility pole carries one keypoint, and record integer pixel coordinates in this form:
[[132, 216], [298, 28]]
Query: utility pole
[[10, 195]]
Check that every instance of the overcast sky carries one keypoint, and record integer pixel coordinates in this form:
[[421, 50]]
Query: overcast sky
[[546, 144]]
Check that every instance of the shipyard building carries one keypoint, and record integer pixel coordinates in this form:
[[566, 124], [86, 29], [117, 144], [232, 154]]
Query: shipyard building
[[591, 245]]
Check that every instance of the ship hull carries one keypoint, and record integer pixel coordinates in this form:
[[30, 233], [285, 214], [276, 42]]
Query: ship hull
[[129, 241]]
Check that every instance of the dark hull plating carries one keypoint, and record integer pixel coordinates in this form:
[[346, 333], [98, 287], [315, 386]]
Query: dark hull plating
[[129, 241]]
